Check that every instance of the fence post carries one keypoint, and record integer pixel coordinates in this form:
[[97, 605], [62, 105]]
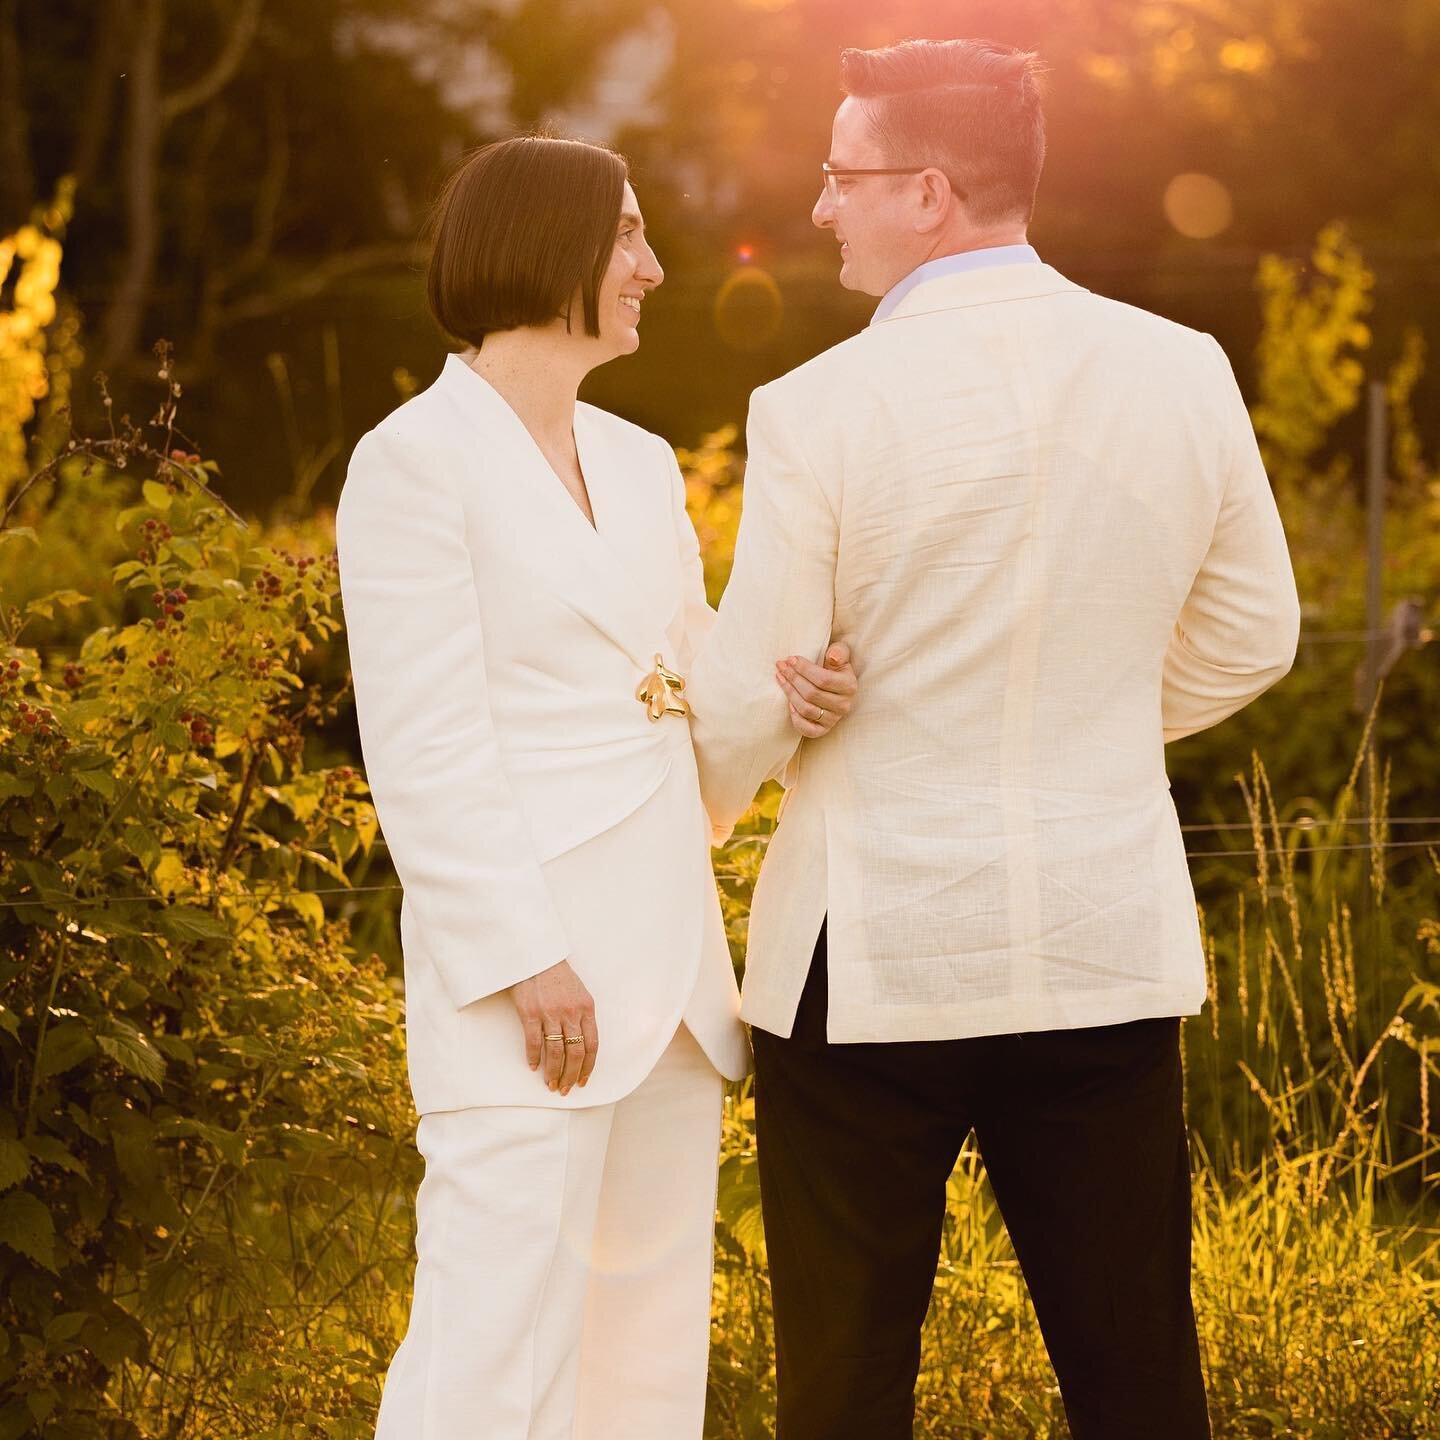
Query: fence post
[[1378, 458]]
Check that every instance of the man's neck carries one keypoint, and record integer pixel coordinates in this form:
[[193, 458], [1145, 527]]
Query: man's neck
[[973, 240]]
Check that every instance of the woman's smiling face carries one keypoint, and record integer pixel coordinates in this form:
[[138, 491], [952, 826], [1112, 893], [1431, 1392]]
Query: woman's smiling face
[[633, 272]]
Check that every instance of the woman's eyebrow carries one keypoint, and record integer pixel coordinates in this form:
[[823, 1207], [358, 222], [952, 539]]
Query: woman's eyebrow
[[628, 217]]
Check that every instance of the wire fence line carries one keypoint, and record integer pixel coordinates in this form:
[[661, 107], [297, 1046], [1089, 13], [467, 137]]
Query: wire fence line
[[289, 892], [1378, 822], [1307, 637]]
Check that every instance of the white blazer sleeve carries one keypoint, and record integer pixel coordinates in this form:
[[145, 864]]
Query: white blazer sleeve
[[699, 615], [1238, 629], [417, 656], [780, 601]]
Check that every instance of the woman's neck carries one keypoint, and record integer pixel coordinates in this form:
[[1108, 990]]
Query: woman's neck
[[537, 374]]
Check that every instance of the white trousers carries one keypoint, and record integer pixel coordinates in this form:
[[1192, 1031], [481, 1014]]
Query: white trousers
[[565, 1257]]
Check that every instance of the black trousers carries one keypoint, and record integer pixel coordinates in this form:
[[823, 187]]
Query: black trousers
[[1084, 1143]]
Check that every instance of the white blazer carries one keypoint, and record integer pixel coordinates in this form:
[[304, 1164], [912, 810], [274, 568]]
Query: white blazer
[[534, 812], [1040, 519]]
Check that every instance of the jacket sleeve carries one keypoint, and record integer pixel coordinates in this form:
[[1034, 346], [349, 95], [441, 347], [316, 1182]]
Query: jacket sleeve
[[1238, 629], [417, 657], [699, 615], [780, 601]]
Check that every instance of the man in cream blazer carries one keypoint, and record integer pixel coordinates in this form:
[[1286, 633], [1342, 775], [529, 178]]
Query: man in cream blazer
[[1040, 519]]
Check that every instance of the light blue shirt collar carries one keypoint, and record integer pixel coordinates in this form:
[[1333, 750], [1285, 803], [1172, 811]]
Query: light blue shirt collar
[[954, 265]]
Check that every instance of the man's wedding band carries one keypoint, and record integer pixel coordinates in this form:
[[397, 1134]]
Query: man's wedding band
[[554, 1037]]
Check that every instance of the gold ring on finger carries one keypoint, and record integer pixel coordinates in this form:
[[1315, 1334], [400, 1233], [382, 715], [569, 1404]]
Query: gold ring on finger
[[574, 1039], [556, 1038]]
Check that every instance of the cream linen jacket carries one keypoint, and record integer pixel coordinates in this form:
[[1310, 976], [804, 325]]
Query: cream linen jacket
[[1040, 519], [534, 813]]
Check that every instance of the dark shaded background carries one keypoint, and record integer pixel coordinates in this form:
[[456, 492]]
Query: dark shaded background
[[252, 173]]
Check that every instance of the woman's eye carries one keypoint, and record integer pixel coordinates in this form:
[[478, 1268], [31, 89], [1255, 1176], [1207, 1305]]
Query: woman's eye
[[626, 234]]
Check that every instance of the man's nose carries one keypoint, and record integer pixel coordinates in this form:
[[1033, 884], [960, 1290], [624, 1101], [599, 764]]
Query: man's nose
[[823, 215]]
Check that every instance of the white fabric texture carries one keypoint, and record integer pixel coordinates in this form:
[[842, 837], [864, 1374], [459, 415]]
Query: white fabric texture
[[534, 813], [1041, 520], [562, 1290]]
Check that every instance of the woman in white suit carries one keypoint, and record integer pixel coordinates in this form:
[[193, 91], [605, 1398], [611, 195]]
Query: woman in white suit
[[523, 596]]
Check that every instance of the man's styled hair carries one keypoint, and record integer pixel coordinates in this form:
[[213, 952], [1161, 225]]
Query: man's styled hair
[[970, 108], [519, 226]]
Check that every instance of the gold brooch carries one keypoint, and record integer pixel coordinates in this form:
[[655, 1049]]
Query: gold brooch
[[660, 692]]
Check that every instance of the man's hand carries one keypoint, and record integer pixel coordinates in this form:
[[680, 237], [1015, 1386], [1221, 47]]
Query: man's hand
[[557, 1014], [820, 696]]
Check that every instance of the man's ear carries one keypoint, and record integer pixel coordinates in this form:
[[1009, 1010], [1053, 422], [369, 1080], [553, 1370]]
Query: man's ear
[[937, 201]]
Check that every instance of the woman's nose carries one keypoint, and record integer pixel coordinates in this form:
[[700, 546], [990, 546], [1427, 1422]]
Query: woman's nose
[[648, 269]]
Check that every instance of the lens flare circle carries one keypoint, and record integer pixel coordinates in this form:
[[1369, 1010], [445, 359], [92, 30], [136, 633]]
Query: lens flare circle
[[1198, 206], [748, 308]]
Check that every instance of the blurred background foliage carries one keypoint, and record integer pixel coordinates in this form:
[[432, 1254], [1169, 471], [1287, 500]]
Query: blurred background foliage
[[249, 176]]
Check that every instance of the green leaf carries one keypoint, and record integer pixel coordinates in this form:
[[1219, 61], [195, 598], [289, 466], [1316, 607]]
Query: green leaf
[[65, 1047], [156, 495], [141, 843], [132, 1050], [133, 1138], [26, 1227], [50, 1151], [229, 1144], [188, 922], [13, 785], [110, 1347], [174, 1047], [14, 1163], [176, 737], [45, 604], [82, 712], [310, 908], [19, 532], [15, 1418], [100, 781], [66, 1326], [68, 597], [169, 872], [254, 1047], [343, 840]]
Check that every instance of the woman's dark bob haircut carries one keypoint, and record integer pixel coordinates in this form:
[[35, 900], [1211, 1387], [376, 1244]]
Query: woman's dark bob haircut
[[519, 227]]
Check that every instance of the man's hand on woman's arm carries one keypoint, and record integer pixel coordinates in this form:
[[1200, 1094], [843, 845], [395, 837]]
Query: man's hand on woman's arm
[[820, 696]]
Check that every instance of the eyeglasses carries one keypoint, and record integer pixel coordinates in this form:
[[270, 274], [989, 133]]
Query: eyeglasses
[[830, 172]]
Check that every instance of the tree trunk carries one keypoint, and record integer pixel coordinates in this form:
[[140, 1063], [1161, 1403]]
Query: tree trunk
[[17, 174], [107, 60], [144, 131]]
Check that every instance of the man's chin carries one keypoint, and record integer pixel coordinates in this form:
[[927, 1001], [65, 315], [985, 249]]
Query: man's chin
[[850, 280]]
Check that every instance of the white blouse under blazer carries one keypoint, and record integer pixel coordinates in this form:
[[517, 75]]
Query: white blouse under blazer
[[533, 810]]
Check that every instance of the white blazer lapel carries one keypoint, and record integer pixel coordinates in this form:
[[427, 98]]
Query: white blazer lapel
[[580, 564]]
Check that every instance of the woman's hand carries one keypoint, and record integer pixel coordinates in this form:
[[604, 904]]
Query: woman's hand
[[555, 1003], [820, 696]]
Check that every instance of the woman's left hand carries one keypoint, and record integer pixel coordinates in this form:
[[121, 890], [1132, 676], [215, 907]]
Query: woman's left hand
[[820, 696]]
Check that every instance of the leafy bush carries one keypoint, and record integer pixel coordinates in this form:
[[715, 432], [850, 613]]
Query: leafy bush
[[207, 1123]]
